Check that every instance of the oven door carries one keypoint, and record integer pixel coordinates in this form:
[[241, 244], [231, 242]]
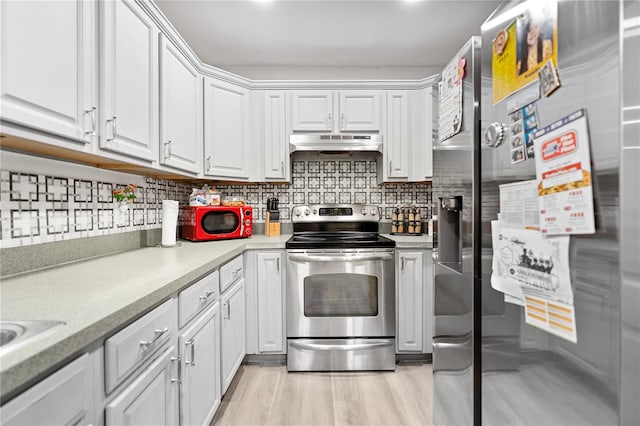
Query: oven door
[[340, 293]]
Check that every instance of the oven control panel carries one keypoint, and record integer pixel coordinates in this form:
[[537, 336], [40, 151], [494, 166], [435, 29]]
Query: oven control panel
[[335, 212]]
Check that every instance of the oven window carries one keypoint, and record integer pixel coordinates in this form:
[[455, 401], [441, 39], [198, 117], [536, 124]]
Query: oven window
[[341, 295], [219, 222]]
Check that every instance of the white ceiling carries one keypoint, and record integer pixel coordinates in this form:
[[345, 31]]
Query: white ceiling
[[299, 39]]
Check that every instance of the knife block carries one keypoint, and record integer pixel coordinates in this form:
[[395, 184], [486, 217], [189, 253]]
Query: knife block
[[271, 226]]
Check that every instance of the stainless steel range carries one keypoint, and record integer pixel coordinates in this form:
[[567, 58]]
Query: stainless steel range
[[340, 290]]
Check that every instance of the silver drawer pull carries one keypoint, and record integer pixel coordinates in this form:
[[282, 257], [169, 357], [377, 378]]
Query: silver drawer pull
[[207, 295], [158, 334], [179, 379]]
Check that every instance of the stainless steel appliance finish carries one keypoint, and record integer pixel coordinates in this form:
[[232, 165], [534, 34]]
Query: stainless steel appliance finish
[[512, 372], [456, 270], [341, 354], [340, 290], [340, 293], [331, 143]]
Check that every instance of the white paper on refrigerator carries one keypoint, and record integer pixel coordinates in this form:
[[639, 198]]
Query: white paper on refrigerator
[[524, 260], [551, 316], [519, 205], [450, 101], [563, 172]]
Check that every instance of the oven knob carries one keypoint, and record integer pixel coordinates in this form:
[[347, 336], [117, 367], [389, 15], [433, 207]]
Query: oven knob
[[364, 212], [306, 212], [248, 231], [298, 213], [247, 222], [315, 211], [374, 212]]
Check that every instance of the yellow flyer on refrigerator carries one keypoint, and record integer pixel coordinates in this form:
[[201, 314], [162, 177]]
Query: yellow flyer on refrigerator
[[563, 173], [521, 49]]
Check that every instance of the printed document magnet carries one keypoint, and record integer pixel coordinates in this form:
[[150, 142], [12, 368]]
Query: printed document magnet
[[450, 99], [563, 172]]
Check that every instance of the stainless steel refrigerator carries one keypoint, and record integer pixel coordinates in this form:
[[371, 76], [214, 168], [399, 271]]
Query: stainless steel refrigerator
[[490, 366]]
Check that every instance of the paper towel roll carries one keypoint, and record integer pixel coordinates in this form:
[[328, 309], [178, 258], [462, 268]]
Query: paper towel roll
[[169, 222]]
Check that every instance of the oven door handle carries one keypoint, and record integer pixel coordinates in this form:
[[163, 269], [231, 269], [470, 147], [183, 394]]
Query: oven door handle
[[337, 258], [344, 347]]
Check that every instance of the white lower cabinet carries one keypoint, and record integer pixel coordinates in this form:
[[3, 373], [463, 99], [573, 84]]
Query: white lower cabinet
[[233, 345], [151, 398], [200, 368], [63, 398], [414, 295], [271, 333], [409, 288]]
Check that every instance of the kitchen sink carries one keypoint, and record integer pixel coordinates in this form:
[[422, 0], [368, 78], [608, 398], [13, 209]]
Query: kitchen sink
[[15, 332]]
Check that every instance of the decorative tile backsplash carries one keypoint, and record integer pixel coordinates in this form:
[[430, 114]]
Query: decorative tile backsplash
[[44, 200]]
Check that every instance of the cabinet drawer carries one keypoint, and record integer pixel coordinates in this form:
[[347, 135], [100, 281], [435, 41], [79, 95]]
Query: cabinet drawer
[[230, 273], [64, 398], [132, 346], [198, 296]]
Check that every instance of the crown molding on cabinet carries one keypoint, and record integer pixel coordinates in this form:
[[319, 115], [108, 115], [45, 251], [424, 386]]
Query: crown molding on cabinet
[[208, 70]]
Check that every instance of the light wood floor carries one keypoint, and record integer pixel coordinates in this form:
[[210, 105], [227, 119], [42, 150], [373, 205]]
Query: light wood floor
[[268, 395]]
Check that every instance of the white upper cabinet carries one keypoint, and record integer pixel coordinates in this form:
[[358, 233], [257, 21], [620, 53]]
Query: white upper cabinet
[[129, 80], [276, 142], [359, 111], [226, 130], [396, 141], [422, 134], [180, 110], [335, 111], [48, 67], [312, 110]]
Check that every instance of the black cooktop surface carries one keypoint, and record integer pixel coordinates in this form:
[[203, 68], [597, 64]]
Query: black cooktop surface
[[339, 241]]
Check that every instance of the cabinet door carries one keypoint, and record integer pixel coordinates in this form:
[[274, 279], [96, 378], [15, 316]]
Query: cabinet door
[[396, 144], [200, 355], [359, 111], [151, 399], [421, 163], [64, 398], [48, 66], [427, 305], [233, 332], [270, 306], [276, 152], [226, 118], [129, 80], [312, 110], [410, 300], [180, 110]]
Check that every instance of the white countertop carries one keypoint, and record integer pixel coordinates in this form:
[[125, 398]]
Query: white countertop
[[96, 297]]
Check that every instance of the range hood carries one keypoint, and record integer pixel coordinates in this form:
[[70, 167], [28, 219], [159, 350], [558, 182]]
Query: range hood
[[335, 143]]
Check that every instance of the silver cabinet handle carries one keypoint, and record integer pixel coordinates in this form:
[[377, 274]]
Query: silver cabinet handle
[[208, 163], [179, 379], [206, 295], [282, 167], [340, 347], [167, 150], [278, 265], [390, 166], [91, 111], [192, 361], [330, 121], [402, 263], [113, 128], [342, 120], [157, 335]]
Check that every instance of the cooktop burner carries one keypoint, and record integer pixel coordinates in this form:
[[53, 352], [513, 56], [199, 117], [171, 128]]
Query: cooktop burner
[[336, 226]]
